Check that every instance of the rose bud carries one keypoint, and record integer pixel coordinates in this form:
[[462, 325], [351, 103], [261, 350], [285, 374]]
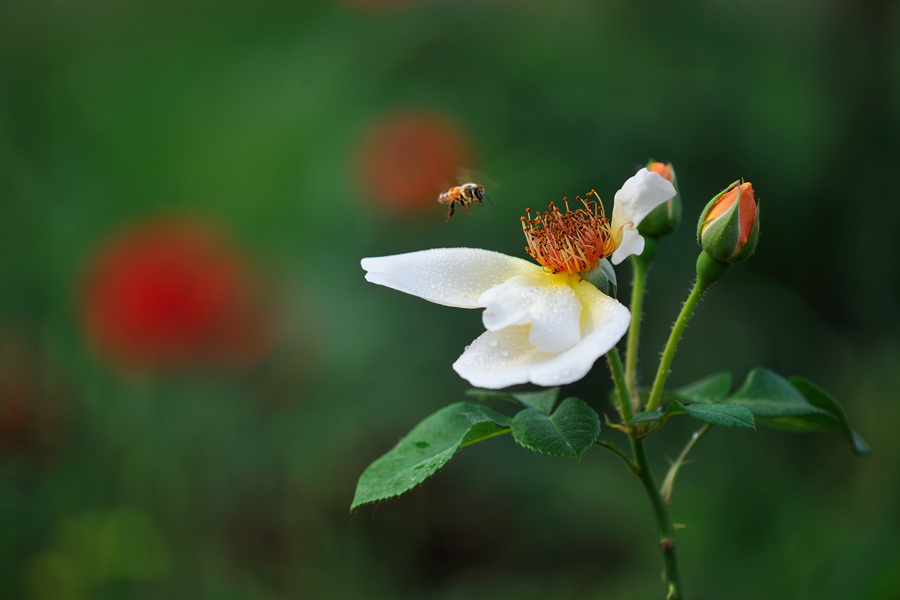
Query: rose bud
[[663, 219], [729, 225]]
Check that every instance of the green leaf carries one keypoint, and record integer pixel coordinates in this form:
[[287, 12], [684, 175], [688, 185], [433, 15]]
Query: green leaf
[[836, 422], [726, 415], [427, 448], [542, 400], [568, 432], [646, 416], [768, 395], [709, 389]]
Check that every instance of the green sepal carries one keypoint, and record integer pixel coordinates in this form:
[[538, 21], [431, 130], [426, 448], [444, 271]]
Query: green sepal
[[568, 433], [543, 400], [721, 238], [603, 277], [750, 247], [427, 448], [703, 220]]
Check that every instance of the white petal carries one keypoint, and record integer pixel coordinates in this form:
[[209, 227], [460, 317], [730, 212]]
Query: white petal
[[449, 276], [640, 194], [556, 325], [632, 243], [546, 301], [512, 302], [499, 359]]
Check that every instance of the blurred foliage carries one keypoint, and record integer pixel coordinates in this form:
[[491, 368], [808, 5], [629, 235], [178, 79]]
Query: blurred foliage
[[224, 481]]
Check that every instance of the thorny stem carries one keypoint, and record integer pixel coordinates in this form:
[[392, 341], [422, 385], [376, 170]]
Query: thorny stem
[[666, 529], [643, 472], [700, 286], [615, 367]]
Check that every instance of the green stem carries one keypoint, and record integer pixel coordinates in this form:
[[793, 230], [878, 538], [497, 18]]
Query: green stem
[[666, 530], [618, 375], [615, 450], [700, 286], [634, 331], [642, 470]]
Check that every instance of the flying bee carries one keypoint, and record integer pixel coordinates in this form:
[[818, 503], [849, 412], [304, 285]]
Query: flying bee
[[465, 194]]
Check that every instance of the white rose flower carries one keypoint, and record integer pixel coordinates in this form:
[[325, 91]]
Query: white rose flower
[[545, 324]]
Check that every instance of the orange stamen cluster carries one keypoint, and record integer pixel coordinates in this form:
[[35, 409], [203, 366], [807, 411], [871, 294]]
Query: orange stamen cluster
[[573, 241]]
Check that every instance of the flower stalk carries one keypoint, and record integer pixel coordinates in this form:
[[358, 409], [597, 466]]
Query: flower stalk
[[662, 373], [641, 468], [640, 265]]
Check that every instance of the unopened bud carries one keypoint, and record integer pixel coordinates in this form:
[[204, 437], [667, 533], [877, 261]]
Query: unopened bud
[[663, 219], [602, 277], [729, 225]]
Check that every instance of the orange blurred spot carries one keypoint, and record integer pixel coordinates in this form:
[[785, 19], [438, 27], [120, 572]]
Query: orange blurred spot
[[172, 294], [407, 160], [662, 169]]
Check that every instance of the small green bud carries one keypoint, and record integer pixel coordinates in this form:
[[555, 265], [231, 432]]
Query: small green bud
[[728, 229], [603, 277], [663, 219]]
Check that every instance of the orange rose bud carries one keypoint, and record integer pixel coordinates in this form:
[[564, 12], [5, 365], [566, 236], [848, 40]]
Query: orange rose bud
[[663, 219], [729, 225]]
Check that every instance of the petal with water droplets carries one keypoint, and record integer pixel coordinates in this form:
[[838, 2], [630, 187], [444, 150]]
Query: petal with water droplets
[[498, 359], [448, 276]]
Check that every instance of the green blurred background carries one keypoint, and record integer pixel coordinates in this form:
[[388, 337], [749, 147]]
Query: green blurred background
[[199, 435]]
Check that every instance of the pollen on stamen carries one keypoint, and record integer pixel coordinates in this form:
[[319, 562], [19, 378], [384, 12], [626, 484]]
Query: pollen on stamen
[[571, 242]]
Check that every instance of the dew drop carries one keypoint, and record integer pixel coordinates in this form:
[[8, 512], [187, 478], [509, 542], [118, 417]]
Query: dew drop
[[492, 343], [566, 373], [504, 353], [556, 378], [479, 359]]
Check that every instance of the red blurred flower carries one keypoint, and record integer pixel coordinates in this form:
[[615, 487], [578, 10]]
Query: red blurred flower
[[406, 160], [172, 294]]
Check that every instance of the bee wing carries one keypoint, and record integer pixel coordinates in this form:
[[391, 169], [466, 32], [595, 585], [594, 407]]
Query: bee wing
[[464, 175]]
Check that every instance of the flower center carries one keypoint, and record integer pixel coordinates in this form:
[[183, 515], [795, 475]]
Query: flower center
[[573, 241]]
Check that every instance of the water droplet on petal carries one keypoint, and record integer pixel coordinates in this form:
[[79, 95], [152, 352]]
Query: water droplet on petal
[[479, 359], [566, 373], [504, 353], [493, 343]]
